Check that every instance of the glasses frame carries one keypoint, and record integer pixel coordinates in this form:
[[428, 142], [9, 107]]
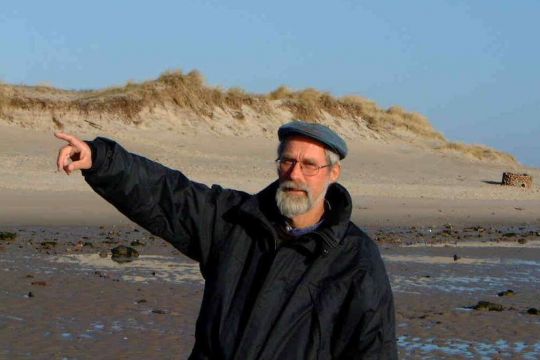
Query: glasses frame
[[295, 162]]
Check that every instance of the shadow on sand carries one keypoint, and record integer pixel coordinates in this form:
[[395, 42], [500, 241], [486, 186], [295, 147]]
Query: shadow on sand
[[492, 182]]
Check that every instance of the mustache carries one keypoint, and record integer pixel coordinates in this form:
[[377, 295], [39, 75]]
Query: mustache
[[291, 185]]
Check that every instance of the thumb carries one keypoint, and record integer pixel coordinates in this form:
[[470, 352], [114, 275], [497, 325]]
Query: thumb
[[84, 162]]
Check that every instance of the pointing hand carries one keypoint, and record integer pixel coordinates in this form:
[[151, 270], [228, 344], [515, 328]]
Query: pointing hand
[[76, 155]]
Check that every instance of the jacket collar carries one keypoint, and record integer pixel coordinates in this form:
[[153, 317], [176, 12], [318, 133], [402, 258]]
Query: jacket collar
[[263, 209]]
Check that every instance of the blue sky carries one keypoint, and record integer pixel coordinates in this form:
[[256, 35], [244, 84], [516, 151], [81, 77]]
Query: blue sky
[[473, 67]]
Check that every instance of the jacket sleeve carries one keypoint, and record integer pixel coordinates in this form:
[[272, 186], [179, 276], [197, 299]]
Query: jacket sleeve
[[370, 320], [163, 201]]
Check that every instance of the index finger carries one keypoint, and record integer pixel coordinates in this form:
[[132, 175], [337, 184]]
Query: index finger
[[69, 138]]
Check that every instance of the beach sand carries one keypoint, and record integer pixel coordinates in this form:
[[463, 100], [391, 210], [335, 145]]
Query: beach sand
[[421, 206]]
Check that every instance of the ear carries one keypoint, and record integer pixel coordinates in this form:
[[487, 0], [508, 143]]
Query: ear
[[335, 172]]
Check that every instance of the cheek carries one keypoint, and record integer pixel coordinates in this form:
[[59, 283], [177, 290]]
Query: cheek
[[317, 186], [281, 177]]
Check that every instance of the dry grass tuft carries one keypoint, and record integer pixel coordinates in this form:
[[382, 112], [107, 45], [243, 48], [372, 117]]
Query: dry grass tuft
[[190, 91], [57, 123], [4, 100], [479, 152], [311, 105], [281, 92]]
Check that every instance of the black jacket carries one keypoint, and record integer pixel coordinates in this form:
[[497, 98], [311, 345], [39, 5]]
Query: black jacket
[[324, 295]]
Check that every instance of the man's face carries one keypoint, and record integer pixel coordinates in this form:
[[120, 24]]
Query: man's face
[[299, 193]]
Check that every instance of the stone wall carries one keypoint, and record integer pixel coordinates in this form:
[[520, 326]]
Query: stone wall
[[520, 180]]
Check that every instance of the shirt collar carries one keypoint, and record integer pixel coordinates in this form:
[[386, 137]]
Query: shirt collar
[[296, 232]]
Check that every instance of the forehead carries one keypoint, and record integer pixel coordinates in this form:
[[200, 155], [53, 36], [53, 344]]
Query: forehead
[[302, 147]]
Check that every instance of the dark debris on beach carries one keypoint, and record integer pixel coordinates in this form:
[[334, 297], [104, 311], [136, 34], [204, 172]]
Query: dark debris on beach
[[450, 234], [7, 236]]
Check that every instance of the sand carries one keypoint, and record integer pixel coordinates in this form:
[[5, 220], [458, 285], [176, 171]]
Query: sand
[[419, 204], [64, 297], [391, 183]]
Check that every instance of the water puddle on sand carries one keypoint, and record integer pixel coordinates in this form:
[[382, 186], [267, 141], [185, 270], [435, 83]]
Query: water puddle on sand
[[427, 259], [467, 274], [452, 283], [532, 244], [145, 268], [431, 348]]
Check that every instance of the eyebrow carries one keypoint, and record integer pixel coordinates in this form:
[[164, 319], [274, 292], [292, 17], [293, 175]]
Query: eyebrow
[[305, 160]]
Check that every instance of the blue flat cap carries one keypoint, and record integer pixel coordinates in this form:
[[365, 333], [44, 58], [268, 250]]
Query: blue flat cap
[[318, 132]]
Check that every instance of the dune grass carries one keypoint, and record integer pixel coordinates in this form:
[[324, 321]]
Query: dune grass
[[480, 152], [190, 91], [311, 104], [187, 91]]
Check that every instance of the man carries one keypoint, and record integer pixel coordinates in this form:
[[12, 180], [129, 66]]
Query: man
[[287, 274]]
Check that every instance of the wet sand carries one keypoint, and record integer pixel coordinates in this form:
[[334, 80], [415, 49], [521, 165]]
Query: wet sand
[[61, 299], [63, 296]]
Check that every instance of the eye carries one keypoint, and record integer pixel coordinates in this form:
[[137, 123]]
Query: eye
[[309, 166], [286, 161]]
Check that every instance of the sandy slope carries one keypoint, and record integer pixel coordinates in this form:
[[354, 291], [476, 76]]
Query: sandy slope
[[392, 183]]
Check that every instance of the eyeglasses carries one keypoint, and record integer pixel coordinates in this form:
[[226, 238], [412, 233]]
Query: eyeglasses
[[308, 169]]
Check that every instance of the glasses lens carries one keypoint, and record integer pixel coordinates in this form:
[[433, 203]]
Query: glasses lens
[[284, 165], [309, 169]]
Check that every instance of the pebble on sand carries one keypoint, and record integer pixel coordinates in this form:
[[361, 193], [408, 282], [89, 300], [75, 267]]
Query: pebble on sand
[[123, 254], [488, 306], [506, 293], [533, 311], [160, 311], [48, 244], [7, 236], [39, 283]]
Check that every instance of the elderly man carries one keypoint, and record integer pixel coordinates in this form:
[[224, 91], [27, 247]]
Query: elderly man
[[287, 274]]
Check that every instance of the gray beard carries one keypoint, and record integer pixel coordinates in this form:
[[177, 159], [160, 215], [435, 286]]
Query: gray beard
[[294, 205]]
